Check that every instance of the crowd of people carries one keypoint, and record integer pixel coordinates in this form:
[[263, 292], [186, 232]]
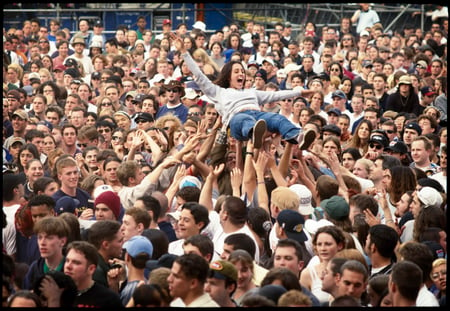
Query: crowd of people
[[232, 168]]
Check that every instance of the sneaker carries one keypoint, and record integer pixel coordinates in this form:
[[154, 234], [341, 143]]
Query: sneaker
[[259, 129], [305, 139]]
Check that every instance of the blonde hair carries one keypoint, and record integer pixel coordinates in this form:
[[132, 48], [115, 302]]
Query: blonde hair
[[438, 262]]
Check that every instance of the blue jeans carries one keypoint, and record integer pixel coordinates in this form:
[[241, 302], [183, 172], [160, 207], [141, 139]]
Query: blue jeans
[[243, 122]]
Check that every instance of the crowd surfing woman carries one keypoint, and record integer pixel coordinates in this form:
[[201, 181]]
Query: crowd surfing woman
[[239, 107]]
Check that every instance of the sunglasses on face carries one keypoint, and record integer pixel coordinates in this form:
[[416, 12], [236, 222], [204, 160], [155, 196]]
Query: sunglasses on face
[[104, 131], [376, 146], [116, 138], [173, 90], [81, 145], [194, 114]]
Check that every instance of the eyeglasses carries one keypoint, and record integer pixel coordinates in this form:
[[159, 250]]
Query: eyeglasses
[[116, 138], [173, 90], [194, 114], [440, 273], [104, 131], [106, 104], [376, 146], [141, 121], [81, 145]]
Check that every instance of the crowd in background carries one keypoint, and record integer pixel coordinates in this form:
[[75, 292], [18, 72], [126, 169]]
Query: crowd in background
[[123, 187]]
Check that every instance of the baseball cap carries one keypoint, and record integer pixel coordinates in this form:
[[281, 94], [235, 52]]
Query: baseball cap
[[291, 67], [145, 116], [397, 147], [287, 25], [383, 49], [110, 199], [60, 68], [364, 33], [175, 215], [100, 189], [165, 261], [190, 181], [335, 111], [190, 93], [429, 197], [222, 269], [429, 182], [252, 63], [305, 207], [28, 89], [427, 91], [422, 64], [367, 63], [21, 114], [96, 75], [339, 93], [281, 73], [405, 79], [414, 126], [14, 140], [333, 128], [199, 25], [324, 76], [336, 207], [138, 98], [312, 225], [98, 23], [379, 139], [292, 223], [66, 204], [138, 244], [167, 22], [132, 94], [34, 75], [71, 62], [269, 60], [74, 73]]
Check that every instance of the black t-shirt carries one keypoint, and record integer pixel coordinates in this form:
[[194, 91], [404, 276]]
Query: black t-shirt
[[98, 296]]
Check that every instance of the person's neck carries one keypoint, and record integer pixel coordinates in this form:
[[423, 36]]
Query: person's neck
[[378, 261], [423, 164], [54, 261], [68, 190], [192, 295], [15, 201], [19, 133], [135, 274], [85, 284], [229, 227], [69, 149]]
